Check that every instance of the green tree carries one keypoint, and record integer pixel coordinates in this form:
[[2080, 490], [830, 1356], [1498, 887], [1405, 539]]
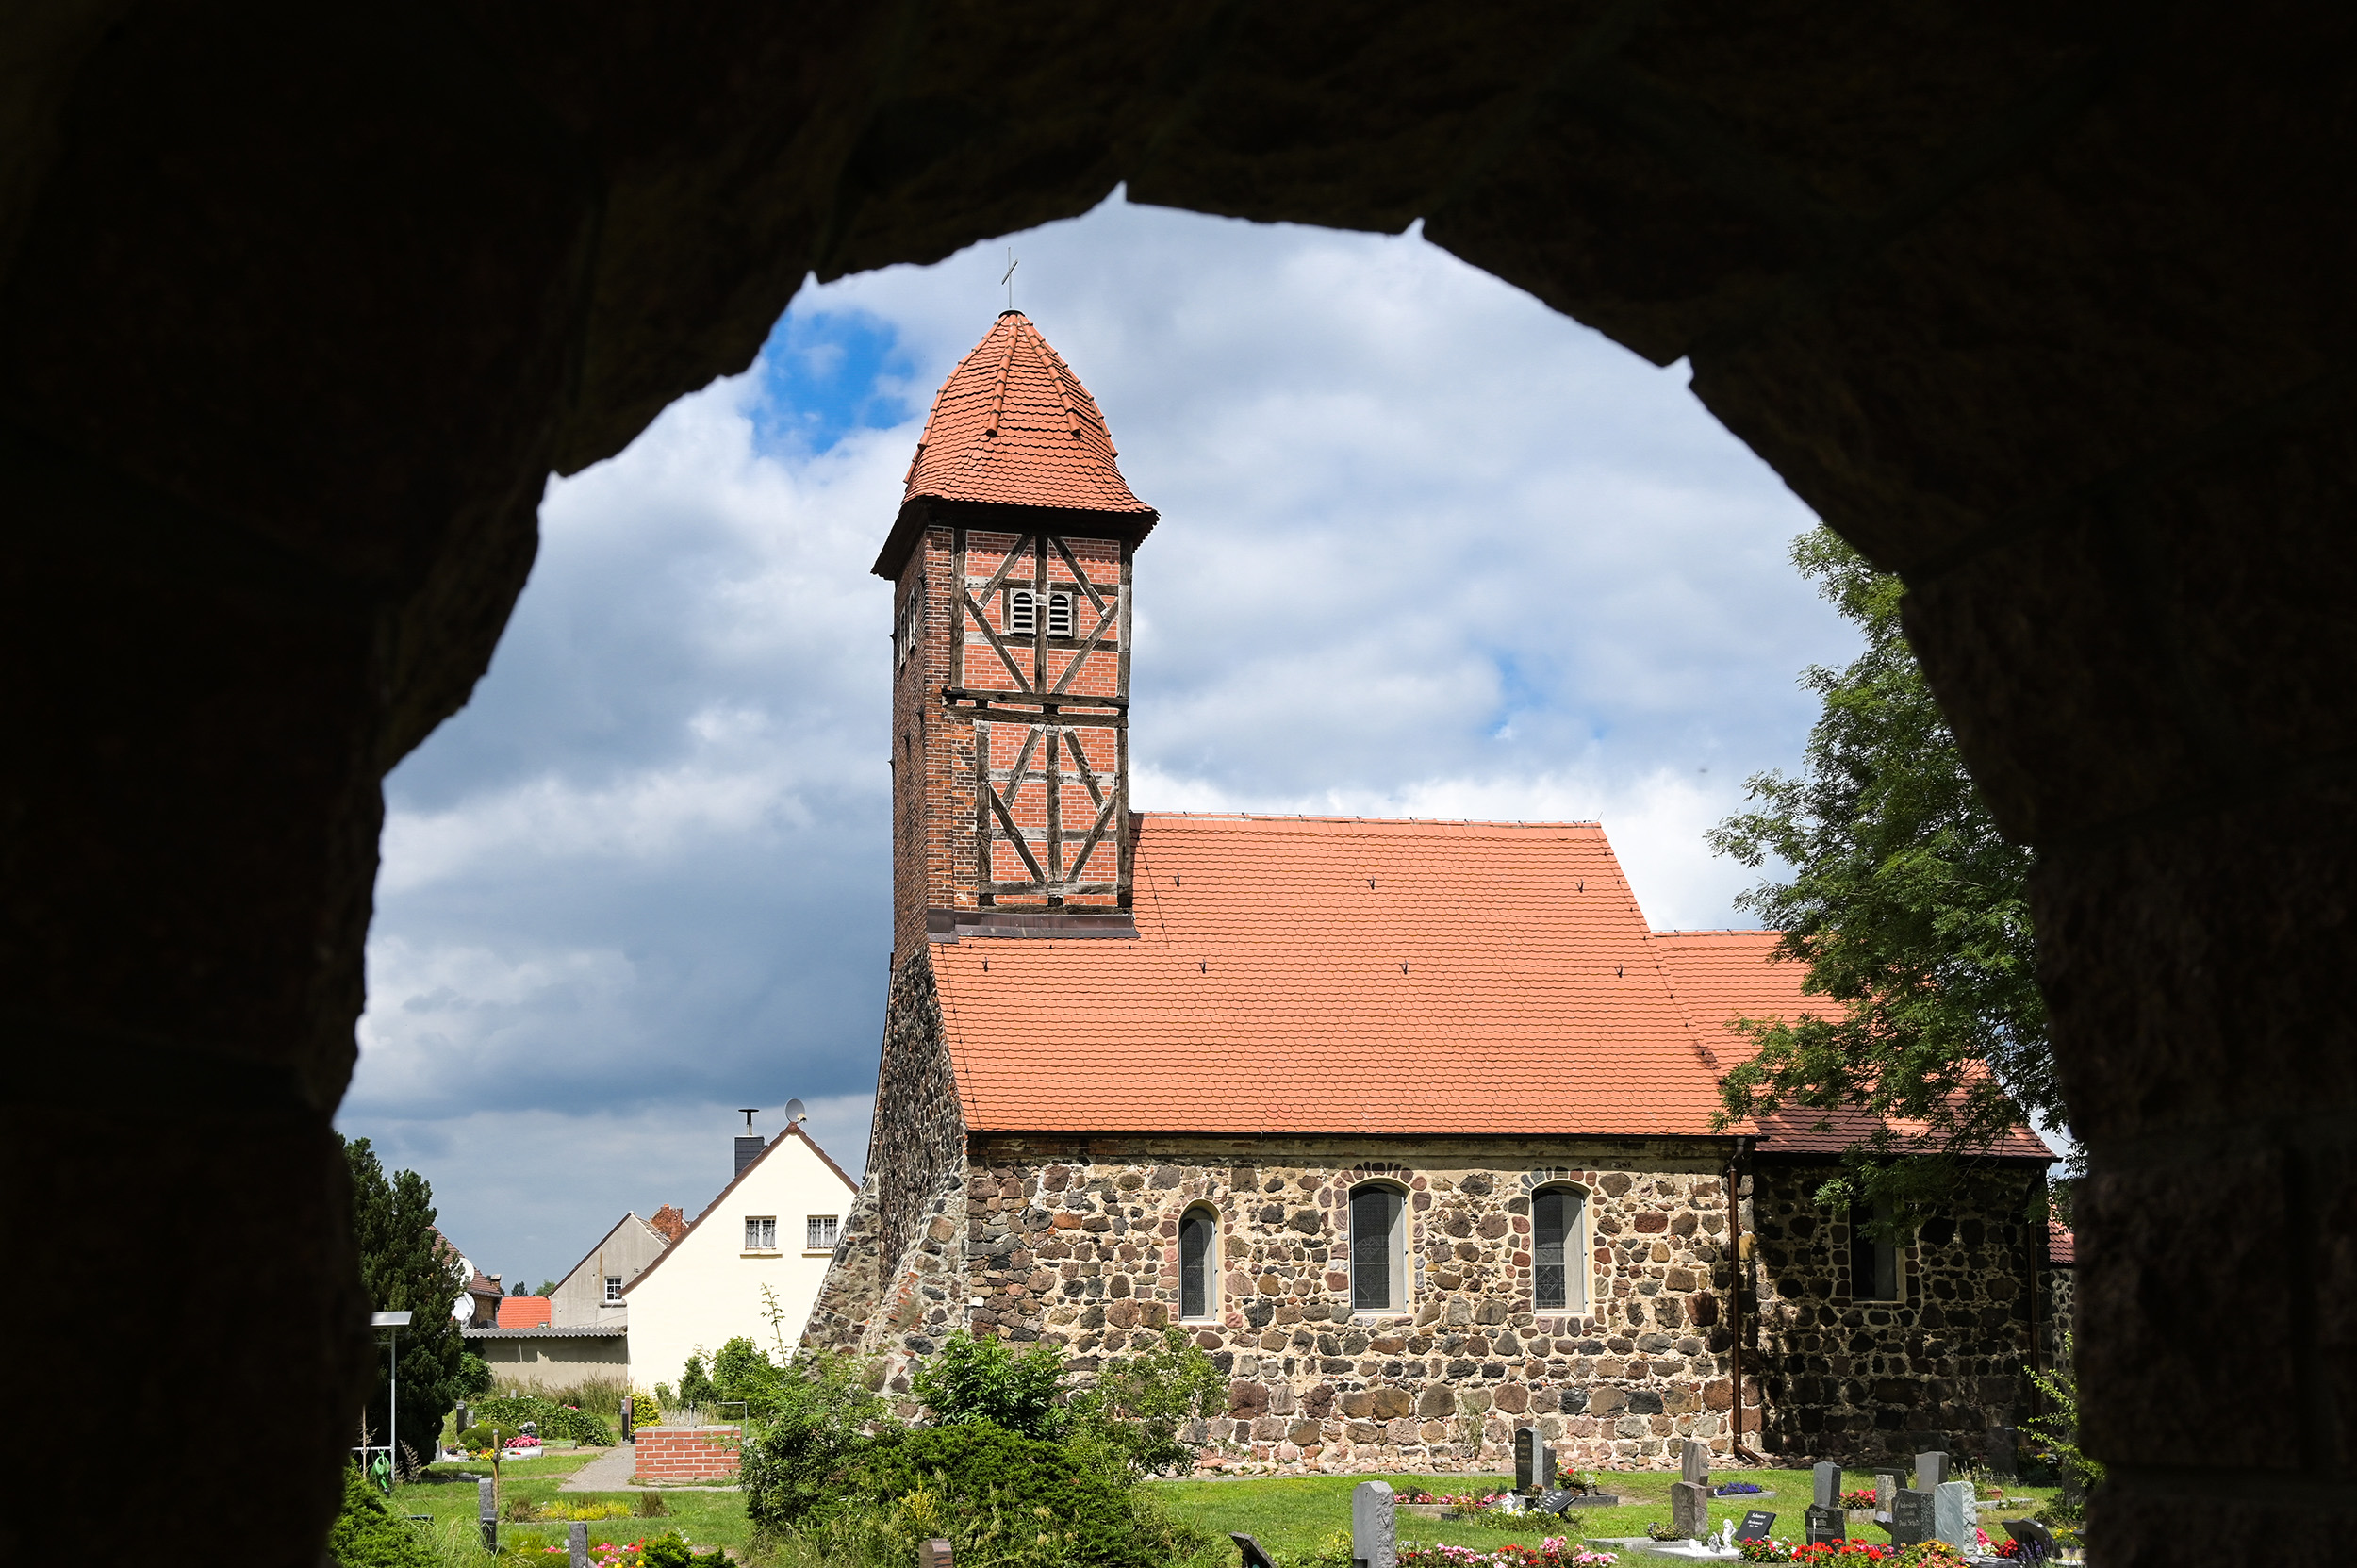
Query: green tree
[[405, 1266], [1911, 912]]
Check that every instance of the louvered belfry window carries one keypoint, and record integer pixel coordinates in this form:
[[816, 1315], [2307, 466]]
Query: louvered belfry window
[[1023, 612], [1059, 614], [1020, 615]]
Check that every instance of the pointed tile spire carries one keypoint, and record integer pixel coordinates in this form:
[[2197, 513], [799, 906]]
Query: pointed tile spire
[[1013, 426]]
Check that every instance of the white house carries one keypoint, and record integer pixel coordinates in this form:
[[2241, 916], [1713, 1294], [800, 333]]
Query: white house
[[775, 1225]]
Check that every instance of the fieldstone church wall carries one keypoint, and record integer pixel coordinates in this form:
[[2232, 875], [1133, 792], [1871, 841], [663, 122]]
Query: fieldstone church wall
[[1866, 1381], [897, 1268], [1077, 1241]]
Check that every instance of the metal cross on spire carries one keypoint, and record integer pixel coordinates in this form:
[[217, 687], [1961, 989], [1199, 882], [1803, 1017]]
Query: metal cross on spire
[[1009, 279]]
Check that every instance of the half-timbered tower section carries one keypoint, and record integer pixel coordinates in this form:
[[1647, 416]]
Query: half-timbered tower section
[[1011, 562], [1410, 1126]]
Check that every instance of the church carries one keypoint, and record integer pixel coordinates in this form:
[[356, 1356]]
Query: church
[[1407, 1124]]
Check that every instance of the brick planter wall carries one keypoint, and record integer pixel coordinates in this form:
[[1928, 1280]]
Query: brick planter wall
[[674, 1454]]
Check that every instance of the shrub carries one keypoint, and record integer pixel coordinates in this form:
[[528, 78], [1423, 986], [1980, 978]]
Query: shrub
[[644, 1411], [1000, 1493], [553, 1420], [1133, 1413], [823, 1408], [972, 1381], [368, 1534]]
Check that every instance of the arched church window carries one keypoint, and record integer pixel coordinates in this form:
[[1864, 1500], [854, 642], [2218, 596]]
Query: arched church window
[[1558, 1267], [1198, 1261], [1379, 1248]]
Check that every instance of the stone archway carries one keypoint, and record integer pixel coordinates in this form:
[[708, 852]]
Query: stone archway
[[2043, 307]]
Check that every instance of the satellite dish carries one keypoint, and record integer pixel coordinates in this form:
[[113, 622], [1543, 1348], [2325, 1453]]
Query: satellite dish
[[796, 1110]]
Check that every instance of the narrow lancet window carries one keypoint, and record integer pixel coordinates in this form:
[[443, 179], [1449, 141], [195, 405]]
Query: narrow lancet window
[[1559, 1251], [1377, 1255], [1199, 1262]]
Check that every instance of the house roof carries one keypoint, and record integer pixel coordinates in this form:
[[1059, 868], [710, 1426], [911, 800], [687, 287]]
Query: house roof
[[2062, 1245], [1337, 975], [668, 1223], [793, 1129], [523, 1311], [1012, 425], [1720, 976], [628, 1219], [544, 1330]]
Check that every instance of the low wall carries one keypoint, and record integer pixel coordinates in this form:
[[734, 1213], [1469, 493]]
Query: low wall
[[676, 1454]]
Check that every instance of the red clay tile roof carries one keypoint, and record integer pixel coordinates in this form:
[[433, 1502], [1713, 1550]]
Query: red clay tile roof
[[668, 1223], [523, 1311], [2062, 1247], [1720, 976], [1337, 975], [1012, 425]]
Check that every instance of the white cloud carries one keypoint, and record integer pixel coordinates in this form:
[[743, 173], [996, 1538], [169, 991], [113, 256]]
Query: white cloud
[[1427, 549]]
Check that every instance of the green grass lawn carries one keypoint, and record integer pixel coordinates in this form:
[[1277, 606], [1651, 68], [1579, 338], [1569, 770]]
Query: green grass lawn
[[1294, 1514], [447, 1492]]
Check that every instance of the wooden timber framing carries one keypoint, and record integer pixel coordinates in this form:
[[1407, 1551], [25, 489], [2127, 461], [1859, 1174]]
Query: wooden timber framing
[[1060, 861]]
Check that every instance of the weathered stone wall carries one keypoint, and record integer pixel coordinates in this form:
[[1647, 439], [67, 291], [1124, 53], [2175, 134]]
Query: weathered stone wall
[[1863, 1381], [1076, 1241], [896, 1268]]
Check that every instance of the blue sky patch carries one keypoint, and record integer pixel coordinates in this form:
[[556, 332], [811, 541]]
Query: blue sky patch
[[826, 373]]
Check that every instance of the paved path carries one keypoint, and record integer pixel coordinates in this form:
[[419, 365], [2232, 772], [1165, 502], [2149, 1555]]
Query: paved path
[[611, 1472]]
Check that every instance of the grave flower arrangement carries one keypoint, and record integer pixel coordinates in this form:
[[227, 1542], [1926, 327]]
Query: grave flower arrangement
[[1551, 1552], [1863, 1497], [1736, 1489]]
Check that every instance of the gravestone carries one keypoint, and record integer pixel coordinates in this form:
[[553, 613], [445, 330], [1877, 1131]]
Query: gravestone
[[936, 1553], [1534, 1462], [1930, 1470], [1690, 1508], [1756, 1525], [1254, 1557], [1374, 1526], [2037, 1541], [1826, 1523], [1887, 1486], [486, 1502], [1555, 1502], [1827, 1481], [1953, 1513], [1910, 1518], [577, 1543], [1694, 1463], [629, 1418]]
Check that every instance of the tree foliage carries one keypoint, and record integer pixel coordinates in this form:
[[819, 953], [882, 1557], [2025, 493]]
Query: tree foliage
[[1911, 912], [979, 1382], [405, 1266]]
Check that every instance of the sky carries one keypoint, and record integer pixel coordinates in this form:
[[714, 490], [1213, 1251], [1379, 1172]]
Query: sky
[[1427, 549]]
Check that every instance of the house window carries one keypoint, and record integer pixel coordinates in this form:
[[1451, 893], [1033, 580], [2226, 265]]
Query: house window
[[820, 1233], [761, 1233], [1023, 613], [1558, 1270], [1378, 1251], [613, 1287], [1873, 1262], [1199, 1262], [911, 620]]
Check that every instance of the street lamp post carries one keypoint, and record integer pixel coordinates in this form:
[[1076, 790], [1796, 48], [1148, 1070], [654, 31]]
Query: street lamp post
[[396, 1322]]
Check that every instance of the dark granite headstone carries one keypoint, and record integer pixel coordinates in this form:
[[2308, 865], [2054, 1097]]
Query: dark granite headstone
[[2037, 1541], [1253, 1556], [1910, 1518], [1756, 1525], [1690, 1510], [1555, 1502], [1827, 1523]]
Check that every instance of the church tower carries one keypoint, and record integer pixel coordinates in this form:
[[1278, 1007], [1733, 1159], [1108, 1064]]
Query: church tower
[[1011, 656]]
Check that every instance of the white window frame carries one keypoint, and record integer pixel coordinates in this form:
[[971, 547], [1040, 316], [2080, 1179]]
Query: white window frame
[[761, 1233], [1208, 1264], [810, 1232], [1400, 1287], [1022, 620], [1577, 1259], [613, 1290]]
